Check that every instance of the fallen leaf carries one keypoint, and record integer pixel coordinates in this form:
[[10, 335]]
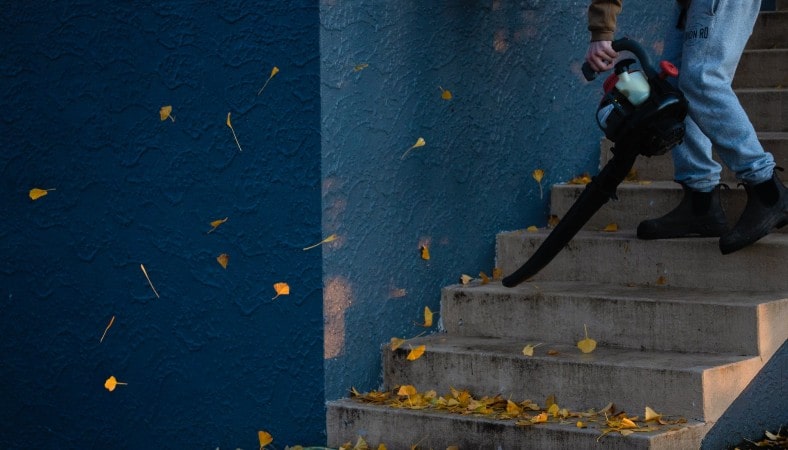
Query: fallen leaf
[[360, 67], [651, 415], [37, 193], [416, 353], [420, 142], [582, 179], [497, 273], [661, 281], [580, 424], [230, 125], [427, 317], [532, 229], [513, 409], [586, 345], [611, 227], [331, 238], [465, 279], [265, 438], [628, 423], [407, 390], [540, 418], [215, 224], [149, 281], [396, 343], [166, 113], [552, 221], [274, 71], [223, 259], [552, 352], [425, 252], [281, 289], [484, 277], [445, 93], [528, 350], [112, 383], [111, 321]]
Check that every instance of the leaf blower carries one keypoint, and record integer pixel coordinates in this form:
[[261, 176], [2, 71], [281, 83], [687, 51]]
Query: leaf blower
[[642, 114]]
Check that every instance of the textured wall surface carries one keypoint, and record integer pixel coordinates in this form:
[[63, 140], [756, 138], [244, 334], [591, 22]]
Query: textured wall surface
[[519, 104], [214, 359]]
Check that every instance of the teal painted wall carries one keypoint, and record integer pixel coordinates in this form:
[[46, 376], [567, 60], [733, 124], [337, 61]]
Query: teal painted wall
[[213, 360], [519, 103]]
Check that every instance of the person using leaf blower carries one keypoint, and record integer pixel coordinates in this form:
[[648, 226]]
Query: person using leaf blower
[[706, 45]]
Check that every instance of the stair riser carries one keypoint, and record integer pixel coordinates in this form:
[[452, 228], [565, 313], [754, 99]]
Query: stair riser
[[765, 108], [769, 31], [622, 259], [528, 314], [401, 429], [638, 203], [762, 69], [697, 395], [661, 167]]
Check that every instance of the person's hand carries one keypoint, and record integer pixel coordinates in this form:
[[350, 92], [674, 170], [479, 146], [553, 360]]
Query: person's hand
[[601, 56]]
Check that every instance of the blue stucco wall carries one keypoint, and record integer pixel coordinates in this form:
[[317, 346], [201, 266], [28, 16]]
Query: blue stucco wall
[[519, 103], [214, 359]]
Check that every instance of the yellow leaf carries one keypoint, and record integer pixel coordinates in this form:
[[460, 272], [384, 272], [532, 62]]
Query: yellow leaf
[[215, 224], [532, 229], [512, 409], [149, 281], [661, 281], [425, 252], [281, 289], [265, 438], [166, 113], [627, 423], [540, 418], [484, 277], [360, 67], [223, 259], [416, 353], [407, 390], [528, 350], [538, 174], [553, 409], [331, 238], [626, 432], [586, 345], [111, 321], [420, 142], [361, 444], [580, 424], [552, 221], [582, 179], [465, 279], [611, 227], [396, 343], [112, 383], [497, 273], [37, 193], [230, 125], [274, 71], [382, 447], [427, 317], [652, 415], [445, 93]]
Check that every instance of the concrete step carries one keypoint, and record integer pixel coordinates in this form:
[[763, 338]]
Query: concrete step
[[766, 108], [638, 201], [781, 5], [661, 167], [769, 30], [766, 68], [695, 386], [621, 258], [645, 317], [404, 428]]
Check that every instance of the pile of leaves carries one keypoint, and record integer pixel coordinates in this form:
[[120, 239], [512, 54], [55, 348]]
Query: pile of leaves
[[525, 413]]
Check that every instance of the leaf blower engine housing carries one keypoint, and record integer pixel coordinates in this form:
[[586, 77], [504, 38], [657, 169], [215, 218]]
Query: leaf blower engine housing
[[641, 110]]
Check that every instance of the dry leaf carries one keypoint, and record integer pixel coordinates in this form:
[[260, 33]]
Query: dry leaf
[[166, 113], [230, 125], [420, 142], [425, 252], [552, 352], [149, 281], [331, 238], [112, 383], [445, 93], [528, 350], [281, 289], [37, 193], [513, 409], [360, 67], [416, 353], [586, 345], [540, 418], [611, 227], [215, 224], [652, 415], [582, 179], [274, 71], [580, 424], [396, 343], [538, 174], [407, 390], [265, 438], [497, 273], [223, 259], [627, 423], [465, 279], [532, 229], [111, 321], [427, 317], [552, 221], [661, 281], [484, 277]]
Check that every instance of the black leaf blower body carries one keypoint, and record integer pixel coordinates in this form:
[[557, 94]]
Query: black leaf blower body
[[642, 114]]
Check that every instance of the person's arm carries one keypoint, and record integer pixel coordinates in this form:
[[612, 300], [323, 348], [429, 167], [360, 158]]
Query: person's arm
[[602, 15]]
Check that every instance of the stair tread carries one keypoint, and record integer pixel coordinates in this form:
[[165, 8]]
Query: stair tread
[[506, 348], [778, 239]]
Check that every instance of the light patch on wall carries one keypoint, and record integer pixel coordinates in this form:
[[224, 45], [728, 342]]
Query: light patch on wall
[[501, 41], [337, 297], [658, 47]]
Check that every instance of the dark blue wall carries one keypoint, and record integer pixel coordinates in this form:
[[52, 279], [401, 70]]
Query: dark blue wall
[[214, 359]]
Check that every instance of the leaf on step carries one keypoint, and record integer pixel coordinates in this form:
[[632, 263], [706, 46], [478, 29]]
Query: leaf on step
[[497, 273], [580, 424], [396, 343], [416, 353], [465, 279], [484, 277], [582, 179], [512, 409], [651, 415], [586, 345], [552, 221], [611, 227], [528, 350], [552, 352], [532, 229], [539, 418], [407, 390], [662, 280]]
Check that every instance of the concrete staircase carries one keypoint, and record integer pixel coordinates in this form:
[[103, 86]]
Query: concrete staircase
[[680, 328]]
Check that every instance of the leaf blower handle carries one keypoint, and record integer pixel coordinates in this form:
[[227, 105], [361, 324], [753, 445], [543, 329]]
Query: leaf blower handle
[[625, 44]]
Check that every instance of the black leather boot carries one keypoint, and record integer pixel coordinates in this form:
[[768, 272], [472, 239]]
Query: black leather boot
[[767, 209], [699, 214]]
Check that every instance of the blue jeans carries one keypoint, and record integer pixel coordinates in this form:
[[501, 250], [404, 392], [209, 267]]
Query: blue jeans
[[707, 52]]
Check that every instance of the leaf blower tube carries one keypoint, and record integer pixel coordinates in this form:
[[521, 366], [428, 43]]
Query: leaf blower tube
[[642, 114]]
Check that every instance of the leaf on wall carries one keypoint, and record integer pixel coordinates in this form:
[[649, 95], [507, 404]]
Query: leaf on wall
[[37, 193], [281, 289], [165, 112], [274, 71], [111, 383], [420, 142], [229, 123]]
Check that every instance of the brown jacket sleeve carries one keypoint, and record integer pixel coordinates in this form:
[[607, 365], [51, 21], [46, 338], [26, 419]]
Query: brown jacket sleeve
[[602, 15]]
